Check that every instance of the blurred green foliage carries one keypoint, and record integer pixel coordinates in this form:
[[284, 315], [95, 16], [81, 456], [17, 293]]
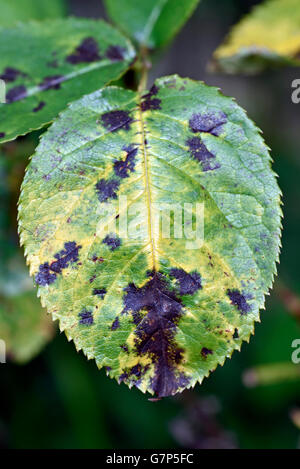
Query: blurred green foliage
[[60, 400]]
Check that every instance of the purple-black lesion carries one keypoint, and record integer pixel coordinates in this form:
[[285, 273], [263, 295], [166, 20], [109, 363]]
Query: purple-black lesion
[[115, 53], [11, 74], [112, 241], [210, 122], [52, 82], [2, 134], [159, 309], [116, 120], [107, 189], [116, 324], [48, 272], [123, 168], [86, 52], [16, 94], [101, 292], [124, 347], [39, 107], [200, 153], [149, 102], [86, 318], [188, 283], [205, 352], [239, 300]]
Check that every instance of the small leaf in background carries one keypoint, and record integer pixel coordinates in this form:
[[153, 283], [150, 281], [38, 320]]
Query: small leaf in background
[[158, 313], [24, 10], [151, 23], [24, 326], [268, 36], [46, 65]]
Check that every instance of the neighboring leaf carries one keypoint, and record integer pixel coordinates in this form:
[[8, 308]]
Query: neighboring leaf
[[47, 65], [152, 23], [13, 11], [159, 313], [269, 36], [24, 326]]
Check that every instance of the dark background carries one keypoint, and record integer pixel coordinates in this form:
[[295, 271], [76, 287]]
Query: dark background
[[60, 400]]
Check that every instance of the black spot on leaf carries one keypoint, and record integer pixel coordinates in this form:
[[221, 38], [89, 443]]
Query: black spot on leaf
[[101, 292], [205, 352], [236, 334], [123, 167], [86, 52], [116, 324], [39, 106], [207, 122], [2, 134], [51, 83], [86, 318], [65, 257], [136, 370], [112, 241], [239, 300], [44, 276], [11, 74], [201, 154], [115, 53], [156, 331], [107, 189], [16, 93], [116, 120], [47, 273], [148, 102], [188, 283]]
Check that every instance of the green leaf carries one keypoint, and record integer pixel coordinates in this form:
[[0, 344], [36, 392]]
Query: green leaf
[[24, 325], [268, 36], [152, 23], [47, 65], [24, 10], [160, 312]]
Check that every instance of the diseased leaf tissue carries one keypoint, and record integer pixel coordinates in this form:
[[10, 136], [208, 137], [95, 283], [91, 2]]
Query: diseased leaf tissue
[[157, 315]]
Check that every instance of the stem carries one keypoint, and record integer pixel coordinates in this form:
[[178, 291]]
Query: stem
[[145, 67]]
